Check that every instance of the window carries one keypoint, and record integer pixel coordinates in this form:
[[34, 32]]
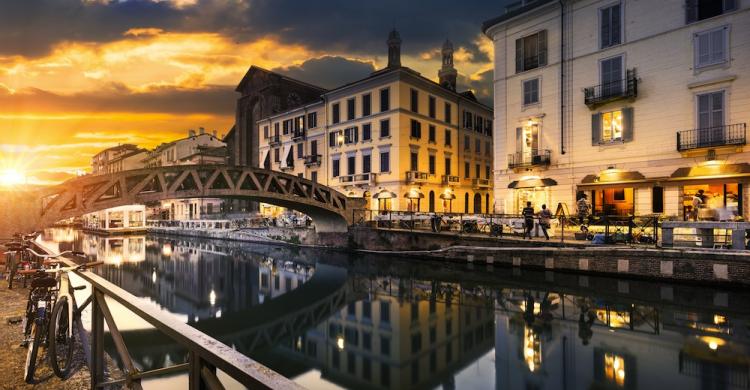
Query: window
[[447, 166], [336, 113], [467, 143], [350, 109], [448, 112], [385, 374], [531, 92], [265, 132], [300, 150], [314, 147], [478, 123], [385, 310], [447, 137], [710, 114], [414, 100], [416, 342], [314, 176], [367, 340], [478, 146], [385, 101], [287, 126], [468, 120], [367, 305], [487, 148], [610, 26], [351, 165], [431, 106], [385, 164], [366, 104], [299, 123], [366, 132], [366, 163], [276, 129], [611, 76], [431, 134], [351, 135], [531, 51], [385, 346], [416, 129], [657, 200], [467, 169], [487, 171], [335, 167], [385, 128], [477, 171], [696, 10], [312, 120], [414, 161], [710, 47], [431, 162], [276, 157], [612, 126], [366, 368], [333, 139]]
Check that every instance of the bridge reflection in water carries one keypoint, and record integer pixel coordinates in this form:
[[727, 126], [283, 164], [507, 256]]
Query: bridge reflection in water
[[364, 322]]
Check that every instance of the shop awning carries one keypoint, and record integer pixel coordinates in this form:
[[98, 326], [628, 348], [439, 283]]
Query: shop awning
[[447, 196], [712, 170], [384, 194], [613, 178], [531, 183], [413, 194]]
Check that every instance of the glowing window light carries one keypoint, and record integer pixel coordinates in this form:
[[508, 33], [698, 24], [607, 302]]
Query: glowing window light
[[532, 349], [614, 369]]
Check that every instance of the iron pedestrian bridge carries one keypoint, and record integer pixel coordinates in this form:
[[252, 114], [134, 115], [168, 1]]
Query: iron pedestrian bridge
[[330, 210]]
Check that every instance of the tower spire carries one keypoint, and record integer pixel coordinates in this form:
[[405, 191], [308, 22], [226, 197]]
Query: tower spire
[[447, 74], [394, 49]]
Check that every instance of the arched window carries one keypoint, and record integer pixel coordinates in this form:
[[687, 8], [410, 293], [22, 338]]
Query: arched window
[[477, 204], [466, 203], [432, 201]]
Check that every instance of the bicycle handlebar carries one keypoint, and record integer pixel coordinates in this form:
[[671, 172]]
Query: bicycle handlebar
[[47, 256], [61, 269]]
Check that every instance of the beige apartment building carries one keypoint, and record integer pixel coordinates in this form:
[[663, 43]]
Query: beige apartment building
[[395, 137], [638, 105]]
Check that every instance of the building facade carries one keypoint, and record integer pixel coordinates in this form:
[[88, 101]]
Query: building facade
[[395, 137], [118, 158], [636, 105]]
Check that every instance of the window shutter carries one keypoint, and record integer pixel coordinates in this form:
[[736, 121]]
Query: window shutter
[[519, 61], [542, 48], [616, 13], [691, 11], [605, 27], [596, 129], [519, 139], [627, 124], [730, 5]]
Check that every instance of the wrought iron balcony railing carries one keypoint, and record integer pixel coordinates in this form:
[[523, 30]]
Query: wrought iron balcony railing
[[358, 178], [274, 140], [534, 158], [480, 183], [416, 177], [299, 135], [626, 88], [712, 137], [313, 159]]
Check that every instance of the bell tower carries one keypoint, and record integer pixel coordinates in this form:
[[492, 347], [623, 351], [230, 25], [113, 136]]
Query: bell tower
[[447, 74], [394, 49]]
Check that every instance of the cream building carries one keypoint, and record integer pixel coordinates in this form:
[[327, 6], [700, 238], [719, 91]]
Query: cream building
[[395, 137], [637, 104]]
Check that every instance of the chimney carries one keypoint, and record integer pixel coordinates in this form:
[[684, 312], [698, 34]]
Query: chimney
[[447, 74], [202, 130], [191, 133], [394, 49]]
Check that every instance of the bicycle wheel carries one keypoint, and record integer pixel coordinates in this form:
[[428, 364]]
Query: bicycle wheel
[[33, 350], [61, 344]]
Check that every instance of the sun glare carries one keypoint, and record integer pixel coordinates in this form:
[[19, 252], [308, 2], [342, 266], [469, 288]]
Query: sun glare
[[10, 177]]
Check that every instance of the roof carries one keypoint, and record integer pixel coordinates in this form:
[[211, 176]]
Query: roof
[[254, 69], [511, 13]]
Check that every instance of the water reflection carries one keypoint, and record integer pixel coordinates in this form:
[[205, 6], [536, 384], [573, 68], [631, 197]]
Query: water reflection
[[331, 319]]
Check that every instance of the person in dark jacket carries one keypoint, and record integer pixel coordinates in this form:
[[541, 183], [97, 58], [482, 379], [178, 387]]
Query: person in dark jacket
[[528, 219]]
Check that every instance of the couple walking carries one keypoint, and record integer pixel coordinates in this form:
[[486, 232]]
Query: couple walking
[[528, 219]]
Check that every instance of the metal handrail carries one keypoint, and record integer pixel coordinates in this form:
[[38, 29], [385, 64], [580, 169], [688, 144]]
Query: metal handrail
[[206, 354], [529, 159], [618, 89], [313, 159], [274, 139], [707, 137]]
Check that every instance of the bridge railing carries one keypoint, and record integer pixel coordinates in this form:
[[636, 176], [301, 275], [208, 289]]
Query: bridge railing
[[206, 355]]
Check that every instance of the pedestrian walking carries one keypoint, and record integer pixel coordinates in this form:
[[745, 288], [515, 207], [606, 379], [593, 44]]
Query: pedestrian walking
[[583, 209], [698, 202], [528, 219], [544, 220]]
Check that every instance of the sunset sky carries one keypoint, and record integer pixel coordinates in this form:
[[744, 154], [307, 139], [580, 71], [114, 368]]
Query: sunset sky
[[77, 76]]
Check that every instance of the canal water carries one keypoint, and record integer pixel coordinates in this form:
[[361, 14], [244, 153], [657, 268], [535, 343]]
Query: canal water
[[331, 320]]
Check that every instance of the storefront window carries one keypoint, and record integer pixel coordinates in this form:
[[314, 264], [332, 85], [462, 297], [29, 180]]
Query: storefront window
[[719, 201], [614, 201], [537, 197]]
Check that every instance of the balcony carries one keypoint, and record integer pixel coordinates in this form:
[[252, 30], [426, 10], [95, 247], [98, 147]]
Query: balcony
[[274, 140], [480, 184], [535, 158], [299, 135], [358, 179], [448, 179], [612, 91], [313, 160], [415, 177], [712, 137]]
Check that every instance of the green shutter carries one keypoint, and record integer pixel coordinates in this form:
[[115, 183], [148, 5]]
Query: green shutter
[[596, 129], [519, 55], [627, 124], [542, 48]]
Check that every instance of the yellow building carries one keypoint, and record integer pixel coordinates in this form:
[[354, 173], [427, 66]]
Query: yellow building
[[395, 137]]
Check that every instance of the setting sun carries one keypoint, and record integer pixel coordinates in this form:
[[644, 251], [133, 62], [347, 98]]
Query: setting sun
[[11, 177]]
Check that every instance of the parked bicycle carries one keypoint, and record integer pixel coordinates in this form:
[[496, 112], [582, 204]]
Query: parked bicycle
[[50, 315]]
